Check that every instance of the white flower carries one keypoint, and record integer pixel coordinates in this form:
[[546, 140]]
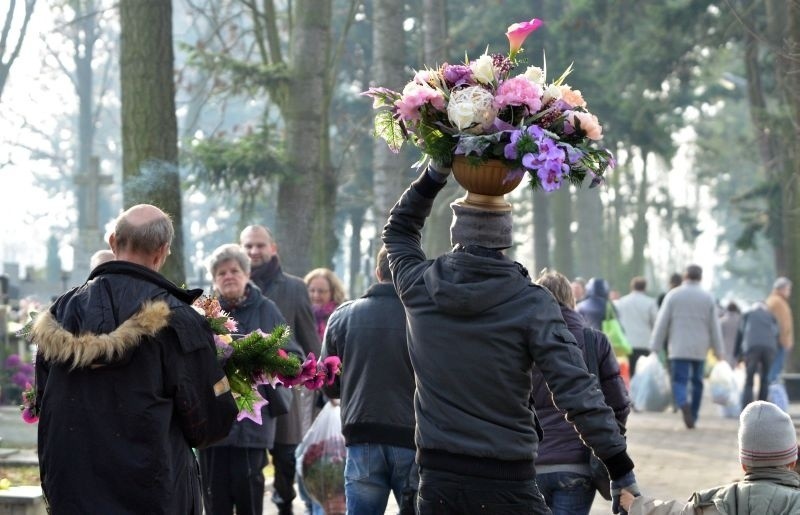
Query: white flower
[[483, 69], [472, 109], [552, 92], [535, 75]]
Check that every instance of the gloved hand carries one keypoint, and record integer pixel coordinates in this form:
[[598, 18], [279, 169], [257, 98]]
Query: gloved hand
[[627, 483], [439, 171]]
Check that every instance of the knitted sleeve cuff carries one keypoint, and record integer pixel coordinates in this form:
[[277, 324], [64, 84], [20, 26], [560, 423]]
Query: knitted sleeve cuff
[[618, 465]]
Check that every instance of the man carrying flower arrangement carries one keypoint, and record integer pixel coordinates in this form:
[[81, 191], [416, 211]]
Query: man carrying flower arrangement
[[127, 382]]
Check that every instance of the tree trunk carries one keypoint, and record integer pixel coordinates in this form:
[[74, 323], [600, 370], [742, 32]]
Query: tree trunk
[[6, 61], [149, 125], [563, 257], [388, 40], [640, 225], [541, 230], [306, 135]]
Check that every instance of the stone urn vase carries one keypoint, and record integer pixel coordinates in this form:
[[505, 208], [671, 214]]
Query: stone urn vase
[[486, 183]]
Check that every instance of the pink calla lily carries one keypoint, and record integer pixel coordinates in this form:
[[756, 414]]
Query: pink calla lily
[[517, 33]]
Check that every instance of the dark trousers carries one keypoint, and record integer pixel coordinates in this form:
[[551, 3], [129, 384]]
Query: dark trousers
[[284, 462], [444, 493], [634, 357], [757, 360], [233, 477]]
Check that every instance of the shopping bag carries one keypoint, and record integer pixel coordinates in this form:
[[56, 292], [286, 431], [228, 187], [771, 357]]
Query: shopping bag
[[650, 388], [722, 383], [320, 460], [616, 335], [777, 395]]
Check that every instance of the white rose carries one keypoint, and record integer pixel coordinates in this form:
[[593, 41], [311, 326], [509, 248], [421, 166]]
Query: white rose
[[483, 69], [551, 93], [535, 75], [461, 114]]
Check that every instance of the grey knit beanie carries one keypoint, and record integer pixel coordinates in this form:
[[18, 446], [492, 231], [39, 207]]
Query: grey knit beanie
[[766, 436], [490, 229]]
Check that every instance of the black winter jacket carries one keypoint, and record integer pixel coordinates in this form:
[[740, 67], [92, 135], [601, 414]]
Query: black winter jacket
[[476, 325], [561, 443], [127, 383], [377, 382]]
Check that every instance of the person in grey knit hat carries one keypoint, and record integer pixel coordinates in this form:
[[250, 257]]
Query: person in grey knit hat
[[768, 454], [481, 227]]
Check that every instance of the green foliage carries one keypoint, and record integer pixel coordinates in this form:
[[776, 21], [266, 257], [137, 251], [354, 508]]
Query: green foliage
[[256, 354], [387, 127]]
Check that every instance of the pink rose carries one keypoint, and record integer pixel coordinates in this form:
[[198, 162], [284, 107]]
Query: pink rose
[[572, 96], [589, 125]]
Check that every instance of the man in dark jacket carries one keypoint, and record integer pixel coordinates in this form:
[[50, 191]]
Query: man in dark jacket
[[291, 295], [127, 383], [377, 392], [476, 326], [757, 342]]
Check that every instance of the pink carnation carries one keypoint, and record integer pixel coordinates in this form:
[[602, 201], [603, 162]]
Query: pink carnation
[[519, 91], [414, 97]]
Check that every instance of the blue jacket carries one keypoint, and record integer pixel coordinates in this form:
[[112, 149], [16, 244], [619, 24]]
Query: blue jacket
[[593, 306]]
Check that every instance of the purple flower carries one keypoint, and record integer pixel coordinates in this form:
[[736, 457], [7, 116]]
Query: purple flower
[[456, 74], [13, 361]]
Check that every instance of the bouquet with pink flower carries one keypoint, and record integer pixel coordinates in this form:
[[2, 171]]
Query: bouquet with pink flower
[[479, 110], [257, 359]]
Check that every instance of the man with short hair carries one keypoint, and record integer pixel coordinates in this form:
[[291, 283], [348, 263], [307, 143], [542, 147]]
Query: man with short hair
[[778, 304], [687, 324], [377, 396], [476, 326], [127, 383], [637, 313], [291, 295]]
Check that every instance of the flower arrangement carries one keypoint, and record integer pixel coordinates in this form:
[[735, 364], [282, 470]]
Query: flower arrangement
[[256, 359], [249, 361], [323, 472], [478, 109]]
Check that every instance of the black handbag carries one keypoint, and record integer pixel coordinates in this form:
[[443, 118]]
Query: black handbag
[[600, 478]]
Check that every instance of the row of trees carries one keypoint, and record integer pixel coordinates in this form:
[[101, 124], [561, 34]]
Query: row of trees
[[272, 127]]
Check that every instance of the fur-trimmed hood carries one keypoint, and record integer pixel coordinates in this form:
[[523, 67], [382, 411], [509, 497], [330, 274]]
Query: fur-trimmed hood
[[58, 345]]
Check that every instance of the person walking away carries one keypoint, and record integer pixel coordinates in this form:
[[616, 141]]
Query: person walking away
[[476, 325], [778, 303], [729, 325], [637, 313], [594, 305], [687, 324], [768, 454], [127, 383], [757, 344], [562, 464], [233, 468], [675, 280], [376, 389], [290, 294], [578, 288]]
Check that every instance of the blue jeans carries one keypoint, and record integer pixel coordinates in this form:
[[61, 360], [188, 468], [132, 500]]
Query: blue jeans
[[567, 493], [777, 365], [372, 471], [685, 372], [445, 493]]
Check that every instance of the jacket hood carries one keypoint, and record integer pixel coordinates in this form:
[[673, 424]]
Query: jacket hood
[[58, 345], [466, 284], [597, 287]]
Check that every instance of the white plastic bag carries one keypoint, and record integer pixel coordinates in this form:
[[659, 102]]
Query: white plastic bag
[[650, 388], [722, 383], [320, 460]]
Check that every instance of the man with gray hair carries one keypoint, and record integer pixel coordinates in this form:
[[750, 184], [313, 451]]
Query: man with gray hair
[[476, 326], [778, 304], [687, 324], [128, 383]]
